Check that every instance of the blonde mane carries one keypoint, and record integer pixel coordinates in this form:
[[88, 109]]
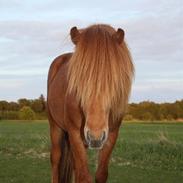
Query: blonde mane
[[101, 68]]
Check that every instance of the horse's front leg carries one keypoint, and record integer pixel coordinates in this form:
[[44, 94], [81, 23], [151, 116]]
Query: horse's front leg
[[55, 155], [104, 156], [81, 170]]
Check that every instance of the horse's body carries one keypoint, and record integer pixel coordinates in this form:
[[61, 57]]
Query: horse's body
[[88, 92]]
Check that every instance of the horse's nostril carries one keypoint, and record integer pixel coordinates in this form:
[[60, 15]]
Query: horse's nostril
[[90, 138], [103, 136]]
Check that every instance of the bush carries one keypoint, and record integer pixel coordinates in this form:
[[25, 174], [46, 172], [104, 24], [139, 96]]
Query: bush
[[26, 113], [128, 117], [162, 117], [147, 116], [169, 117], [9, 115], [41, 116]]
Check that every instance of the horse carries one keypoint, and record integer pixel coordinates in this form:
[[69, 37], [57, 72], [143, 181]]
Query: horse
[[87, 96]]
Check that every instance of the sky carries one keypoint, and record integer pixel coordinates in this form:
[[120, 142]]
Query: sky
[[33, 33]]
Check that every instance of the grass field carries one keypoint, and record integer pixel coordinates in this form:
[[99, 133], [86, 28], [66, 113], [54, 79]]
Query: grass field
[[144, 153]]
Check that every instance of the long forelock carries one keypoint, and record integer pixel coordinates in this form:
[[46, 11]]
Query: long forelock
[[101, 69]]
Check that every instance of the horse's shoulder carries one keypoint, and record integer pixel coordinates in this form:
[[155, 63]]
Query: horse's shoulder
[[56, 64]]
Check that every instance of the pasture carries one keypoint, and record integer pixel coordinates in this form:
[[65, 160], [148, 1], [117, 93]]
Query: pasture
[[144, 153]]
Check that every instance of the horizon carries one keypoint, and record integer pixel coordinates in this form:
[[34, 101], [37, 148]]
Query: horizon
[[33, 33], [130, 102]]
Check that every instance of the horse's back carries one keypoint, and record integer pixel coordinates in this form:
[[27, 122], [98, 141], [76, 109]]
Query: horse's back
[[56, 65], [57, 88]]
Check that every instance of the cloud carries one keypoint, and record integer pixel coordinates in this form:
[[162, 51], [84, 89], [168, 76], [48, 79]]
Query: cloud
[[157, 90], [22, 87], [33, 33], [32, 44]]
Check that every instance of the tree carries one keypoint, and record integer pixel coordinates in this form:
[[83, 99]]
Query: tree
[[26, 113], [128, 117], [43, 101], [147, 116], [23, 102], [179, 109], [13, 106], [169, 117], [3, 105], [37, 106]]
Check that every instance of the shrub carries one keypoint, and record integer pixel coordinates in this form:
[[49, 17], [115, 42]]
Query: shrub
[[26, 113], [169, 117], [147, 116], [128, 117], [9, 115]]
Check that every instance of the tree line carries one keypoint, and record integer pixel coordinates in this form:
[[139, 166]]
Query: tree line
[[26, 109], [151, 111]]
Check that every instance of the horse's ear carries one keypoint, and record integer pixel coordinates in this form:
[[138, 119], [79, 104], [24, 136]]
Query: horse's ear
[[75, 34], [119, 35]]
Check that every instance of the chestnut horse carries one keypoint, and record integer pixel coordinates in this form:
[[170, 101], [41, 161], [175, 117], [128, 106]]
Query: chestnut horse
[[88, 92]]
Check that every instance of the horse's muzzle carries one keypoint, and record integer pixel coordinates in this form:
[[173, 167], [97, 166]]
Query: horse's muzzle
[[93, 142]]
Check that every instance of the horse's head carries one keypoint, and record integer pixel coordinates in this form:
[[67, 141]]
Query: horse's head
[[100, 73], [96, 125]]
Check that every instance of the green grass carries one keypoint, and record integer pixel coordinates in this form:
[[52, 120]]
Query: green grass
[[144, 153]]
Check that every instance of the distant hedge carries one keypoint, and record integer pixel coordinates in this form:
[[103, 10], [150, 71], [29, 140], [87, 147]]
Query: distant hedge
[[9, 115], [25, 109], [146, 111], [152, 111]]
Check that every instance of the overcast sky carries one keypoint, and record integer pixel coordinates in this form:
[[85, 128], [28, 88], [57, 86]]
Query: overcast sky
[[33, 33]]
